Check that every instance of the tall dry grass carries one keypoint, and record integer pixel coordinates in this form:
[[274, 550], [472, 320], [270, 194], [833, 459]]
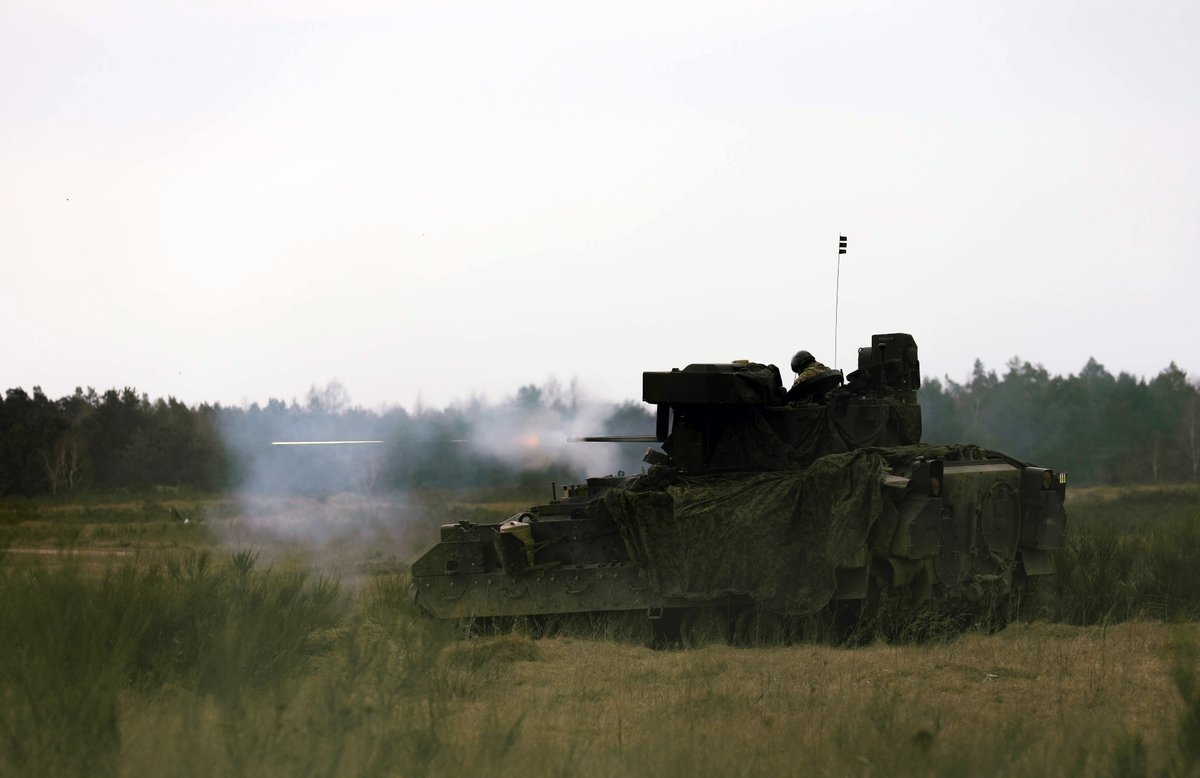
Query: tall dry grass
[[225, 664], [210, 668], [74, 646]]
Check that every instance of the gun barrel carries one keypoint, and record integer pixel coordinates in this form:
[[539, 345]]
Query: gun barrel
[[615, 439]]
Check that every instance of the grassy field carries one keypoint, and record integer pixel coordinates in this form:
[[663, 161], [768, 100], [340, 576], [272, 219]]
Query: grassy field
[[275, 638]]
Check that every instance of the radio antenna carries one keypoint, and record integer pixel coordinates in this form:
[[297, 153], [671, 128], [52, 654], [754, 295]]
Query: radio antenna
[[837, 289]]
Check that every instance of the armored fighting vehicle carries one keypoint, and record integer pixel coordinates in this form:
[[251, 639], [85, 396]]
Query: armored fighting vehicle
[[768, 513]]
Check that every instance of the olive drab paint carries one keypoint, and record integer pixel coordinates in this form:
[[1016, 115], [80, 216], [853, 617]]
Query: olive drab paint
[[788, 512]]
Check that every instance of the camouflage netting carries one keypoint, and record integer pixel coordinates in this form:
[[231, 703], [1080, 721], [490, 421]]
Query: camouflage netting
[[773, 536]]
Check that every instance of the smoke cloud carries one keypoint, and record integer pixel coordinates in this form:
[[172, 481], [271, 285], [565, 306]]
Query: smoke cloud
[[360, 497]]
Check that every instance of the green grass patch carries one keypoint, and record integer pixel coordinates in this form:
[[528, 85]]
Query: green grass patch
[[1130, 553], [72, 643]]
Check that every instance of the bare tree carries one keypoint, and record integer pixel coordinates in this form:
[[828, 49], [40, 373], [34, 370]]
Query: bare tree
[[332, 399], [367, 475], [63, 463], [1192, 419]]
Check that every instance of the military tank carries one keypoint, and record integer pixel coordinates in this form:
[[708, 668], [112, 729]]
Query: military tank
[[767, 514]]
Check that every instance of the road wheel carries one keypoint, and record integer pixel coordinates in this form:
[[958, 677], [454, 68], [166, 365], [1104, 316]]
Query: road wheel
[[760, 628], [630, 627], [704, 627]]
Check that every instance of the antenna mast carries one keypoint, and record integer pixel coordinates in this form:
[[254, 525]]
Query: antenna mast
[[837, 289]]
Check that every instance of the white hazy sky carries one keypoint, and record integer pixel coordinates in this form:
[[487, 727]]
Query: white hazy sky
[[232, 201]]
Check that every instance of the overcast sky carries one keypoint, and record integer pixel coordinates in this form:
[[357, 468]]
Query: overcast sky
[[233, 201]]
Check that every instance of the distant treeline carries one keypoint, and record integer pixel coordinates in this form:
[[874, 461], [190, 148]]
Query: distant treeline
[[117, 439], [1099, 427], [121, 439]]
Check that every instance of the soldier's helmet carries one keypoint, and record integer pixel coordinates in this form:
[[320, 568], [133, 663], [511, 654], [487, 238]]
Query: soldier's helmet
[[802, 360]]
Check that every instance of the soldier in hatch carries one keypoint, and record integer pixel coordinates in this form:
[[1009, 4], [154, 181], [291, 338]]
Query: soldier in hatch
[[813, 379]]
